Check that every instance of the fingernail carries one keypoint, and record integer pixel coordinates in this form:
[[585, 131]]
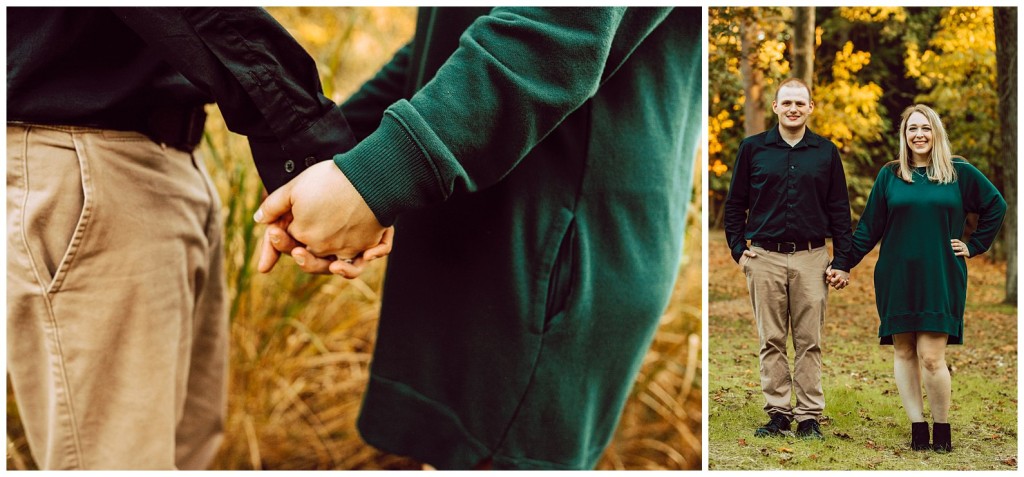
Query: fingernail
[[274, 238], [258, 216], [299, 260]]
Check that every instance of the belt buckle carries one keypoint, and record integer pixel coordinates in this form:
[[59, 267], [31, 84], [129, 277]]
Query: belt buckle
[[780, 244]]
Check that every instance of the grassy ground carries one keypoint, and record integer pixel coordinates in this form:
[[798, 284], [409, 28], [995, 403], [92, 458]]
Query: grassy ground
[[864, 422]]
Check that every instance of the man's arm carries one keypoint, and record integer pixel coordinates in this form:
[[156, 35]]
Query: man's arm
[[737, 203], [838, 209], [266, 85]]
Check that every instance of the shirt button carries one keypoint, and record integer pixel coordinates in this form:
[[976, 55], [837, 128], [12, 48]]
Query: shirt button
[[289, 166], [310, 161], [792, 167]]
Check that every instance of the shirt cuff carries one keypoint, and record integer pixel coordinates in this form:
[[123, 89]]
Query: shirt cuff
[[737, 253], [279, 162], [391, 170]]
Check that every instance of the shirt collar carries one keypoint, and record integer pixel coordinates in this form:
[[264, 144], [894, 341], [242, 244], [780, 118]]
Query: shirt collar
[[810, 138]]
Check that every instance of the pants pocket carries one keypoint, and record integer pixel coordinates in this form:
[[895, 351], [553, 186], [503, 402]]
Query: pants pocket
[[55, 211]]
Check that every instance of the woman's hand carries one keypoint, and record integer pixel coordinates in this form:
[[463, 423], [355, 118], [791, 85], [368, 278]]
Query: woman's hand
[[960, 249]]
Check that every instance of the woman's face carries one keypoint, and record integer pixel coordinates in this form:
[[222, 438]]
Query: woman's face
[[919, 137]]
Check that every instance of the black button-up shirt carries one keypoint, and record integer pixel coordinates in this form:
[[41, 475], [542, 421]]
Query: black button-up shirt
[[114, 67], [786, 193]]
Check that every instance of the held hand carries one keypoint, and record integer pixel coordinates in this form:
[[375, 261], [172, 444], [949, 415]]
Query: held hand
[[748, 253], [277, 241], [327, 215], [960, 249], [838, 279]]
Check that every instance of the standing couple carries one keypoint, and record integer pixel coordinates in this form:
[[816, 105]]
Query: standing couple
[[788, 194], [535, 162]]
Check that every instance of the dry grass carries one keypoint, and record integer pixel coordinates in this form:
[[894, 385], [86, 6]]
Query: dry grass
[[301, 345]]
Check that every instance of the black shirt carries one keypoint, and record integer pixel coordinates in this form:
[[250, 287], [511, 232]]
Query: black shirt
[[788, 194], [116, 67]]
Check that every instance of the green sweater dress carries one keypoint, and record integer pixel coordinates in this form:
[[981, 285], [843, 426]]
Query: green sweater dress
[[536, 164], [920, 285]]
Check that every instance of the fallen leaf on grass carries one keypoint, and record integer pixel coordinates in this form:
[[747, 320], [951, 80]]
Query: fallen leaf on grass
[[785, 449], [765, 452], [813, 457], [1012, 462], [870, 444], [742, 442], [842, 435]]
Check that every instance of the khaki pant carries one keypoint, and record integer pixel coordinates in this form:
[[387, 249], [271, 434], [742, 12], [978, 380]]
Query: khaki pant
[[788, 291], [116, 320]]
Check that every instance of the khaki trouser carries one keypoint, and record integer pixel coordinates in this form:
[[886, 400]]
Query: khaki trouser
[[788, 290], [116, 320]]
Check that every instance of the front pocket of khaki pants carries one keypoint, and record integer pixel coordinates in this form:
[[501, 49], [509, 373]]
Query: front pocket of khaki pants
[[56, 207]]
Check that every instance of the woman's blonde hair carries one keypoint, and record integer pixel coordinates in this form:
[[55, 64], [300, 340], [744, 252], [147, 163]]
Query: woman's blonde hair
[[940, 168]]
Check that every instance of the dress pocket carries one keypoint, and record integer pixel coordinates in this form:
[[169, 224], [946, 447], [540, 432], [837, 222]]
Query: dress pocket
[[560, 282]]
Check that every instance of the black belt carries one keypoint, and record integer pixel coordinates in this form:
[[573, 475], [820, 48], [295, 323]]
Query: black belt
[[178, 127], [789, 247]]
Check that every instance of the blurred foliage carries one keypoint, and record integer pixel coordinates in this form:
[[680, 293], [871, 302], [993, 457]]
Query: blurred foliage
[[301, 345], [870, 64]]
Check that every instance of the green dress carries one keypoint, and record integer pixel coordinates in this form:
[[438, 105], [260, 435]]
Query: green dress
[[537, 165], [920, 285]]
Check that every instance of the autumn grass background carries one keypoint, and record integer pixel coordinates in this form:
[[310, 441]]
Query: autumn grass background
[[301, 345], [864, 422]]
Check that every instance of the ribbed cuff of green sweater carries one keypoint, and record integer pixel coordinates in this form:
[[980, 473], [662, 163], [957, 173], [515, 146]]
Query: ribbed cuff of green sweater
[[391, 171]]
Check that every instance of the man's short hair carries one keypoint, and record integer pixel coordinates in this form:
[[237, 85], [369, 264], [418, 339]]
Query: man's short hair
[[791, 82]]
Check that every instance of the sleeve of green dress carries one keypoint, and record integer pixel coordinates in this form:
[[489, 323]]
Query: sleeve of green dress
[[517, 73], [873, 220], [365, 107], [981, 197]]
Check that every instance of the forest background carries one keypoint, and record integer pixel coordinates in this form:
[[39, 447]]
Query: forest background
[[301, 345]]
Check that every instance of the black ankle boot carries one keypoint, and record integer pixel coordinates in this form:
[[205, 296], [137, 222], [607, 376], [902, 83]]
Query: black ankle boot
[[943, 441], [919, 436]]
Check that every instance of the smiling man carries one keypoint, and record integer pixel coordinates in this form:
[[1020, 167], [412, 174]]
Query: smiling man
[[788, 194]]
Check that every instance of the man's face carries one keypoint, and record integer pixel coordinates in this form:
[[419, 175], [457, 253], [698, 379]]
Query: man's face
[[793, 105]]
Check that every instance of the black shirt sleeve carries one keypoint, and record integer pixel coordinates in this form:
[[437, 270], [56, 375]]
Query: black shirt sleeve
[[266, 85], [737, 203], [838, 209]]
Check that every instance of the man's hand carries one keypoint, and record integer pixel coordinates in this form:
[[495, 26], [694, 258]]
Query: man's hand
[[838, 279], [328, 216], [748, 253]]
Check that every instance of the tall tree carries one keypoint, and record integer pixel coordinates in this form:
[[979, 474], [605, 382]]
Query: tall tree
[[753, 77], [1005, 21], [803, 44]]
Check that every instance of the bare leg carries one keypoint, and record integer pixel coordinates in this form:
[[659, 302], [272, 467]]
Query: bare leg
[[908, 375], [931, 351]]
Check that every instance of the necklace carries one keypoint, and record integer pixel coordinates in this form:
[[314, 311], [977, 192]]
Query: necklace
[[923, 176]]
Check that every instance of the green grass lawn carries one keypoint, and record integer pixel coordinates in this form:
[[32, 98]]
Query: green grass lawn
[[864, 422]]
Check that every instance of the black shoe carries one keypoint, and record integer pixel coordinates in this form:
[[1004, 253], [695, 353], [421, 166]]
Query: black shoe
[[774, 428], [809, 429], [919, 436], [942, 439]]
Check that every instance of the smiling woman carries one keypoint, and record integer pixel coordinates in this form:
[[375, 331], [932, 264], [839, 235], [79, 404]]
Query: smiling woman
[[919, 205]]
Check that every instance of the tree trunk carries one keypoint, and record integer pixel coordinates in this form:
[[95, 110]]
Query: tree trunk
[[1005, 19], [753, 78], [803, 44]]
